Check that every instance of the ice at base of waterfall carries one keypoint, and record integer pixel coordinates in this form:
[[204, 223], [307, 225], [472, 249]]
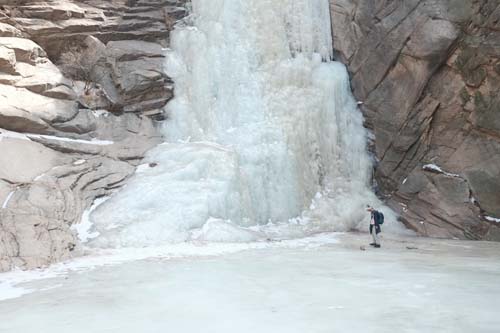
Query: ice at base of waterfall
[[262, 132], [322, 285]]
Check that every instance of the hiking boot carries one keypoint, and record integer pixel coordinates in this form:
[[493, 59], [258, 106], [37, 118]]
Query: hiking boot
[[377, 245]]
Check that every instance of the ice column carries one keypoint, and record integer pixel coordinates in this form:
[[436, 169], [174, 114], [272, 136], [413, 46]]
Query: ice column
[[262, 124]]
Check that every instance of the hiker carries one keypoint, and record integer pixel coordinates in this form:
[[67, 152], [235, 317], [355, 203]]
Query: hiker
[[376, 219]]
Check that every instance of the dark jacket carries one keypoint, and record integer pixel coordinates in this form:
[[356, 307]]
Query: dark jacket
[[376, 217]]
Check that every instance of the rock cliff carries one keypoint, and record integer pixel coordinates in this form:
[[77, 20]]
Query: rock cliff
[[428, 75], [65, 142], [426, 71]]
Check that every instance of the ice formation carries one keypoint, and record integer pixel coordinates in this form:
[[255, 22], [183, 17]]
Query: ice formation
[[83, 229], [263, 137]]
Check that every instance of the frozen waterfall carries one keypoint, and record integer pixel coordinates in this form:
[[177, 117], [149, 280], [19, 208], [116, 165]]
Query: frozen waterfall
[[263, 137]]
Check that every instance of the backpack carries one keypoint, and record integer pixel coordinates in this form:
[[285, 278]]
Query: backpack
[[380, 218]]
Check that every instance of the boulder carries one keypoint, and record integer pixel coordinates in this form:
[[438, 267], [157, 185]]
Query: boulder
[[7, 60], [40, 77], [84, 122], [25, 111], [6, 30], [22, 160], [33, 92], [25, 50]]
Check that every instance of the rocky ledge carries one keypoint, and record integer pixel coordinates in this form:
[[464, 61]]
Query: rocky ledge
[[426, 71], [428, 75], [65, 141]]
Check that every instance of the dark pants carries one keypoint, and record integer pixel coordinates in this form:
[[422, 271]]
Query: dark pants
[[377, 228], [374, 234]]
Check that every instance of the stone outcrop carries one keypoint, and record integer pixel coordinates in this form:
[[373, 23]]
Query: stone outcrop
[[62, 145], [428, 74], [27, 77], [132, 32]]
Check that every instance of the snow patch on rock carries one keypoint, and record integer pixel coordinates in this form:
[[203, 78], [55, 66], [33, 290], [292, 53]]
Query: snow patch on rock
[[492, 219], [437, 169], [84, 228]]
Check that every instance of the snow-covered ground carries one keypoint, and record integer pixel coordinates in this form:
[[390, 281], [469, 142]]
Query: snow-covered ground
[[320, 284]]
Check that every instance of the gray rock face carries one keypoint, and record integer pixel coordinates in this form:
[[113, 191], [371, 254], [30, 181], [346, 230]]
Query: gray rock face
[[60, 148], [132, 32], [47, 182], [6, 30], [7, 60], [428, 73], [136, 70], [28, 82]]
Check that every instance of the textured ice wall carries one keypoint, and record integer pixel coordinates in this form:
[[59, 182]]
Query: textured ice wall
[[263, 129]]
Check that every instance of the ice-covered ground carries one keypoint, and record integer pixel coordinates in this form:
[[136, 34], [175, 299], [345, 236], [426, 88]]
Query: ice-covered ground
[[321, 284]]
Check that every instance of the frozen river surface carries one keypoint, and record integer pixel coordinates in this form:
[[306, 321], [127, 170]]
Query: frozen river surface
[[410, 285]]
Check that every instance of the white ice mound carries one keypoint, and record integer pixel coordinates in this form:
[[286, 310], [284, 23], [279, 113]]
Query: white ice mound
[[261, 122], [217, 230], [183, 187]]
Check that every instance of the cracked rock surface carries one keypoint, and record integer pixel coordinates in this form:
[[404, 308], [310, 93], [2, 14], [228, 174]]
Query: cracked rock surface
[[61, 149], [428, 74]]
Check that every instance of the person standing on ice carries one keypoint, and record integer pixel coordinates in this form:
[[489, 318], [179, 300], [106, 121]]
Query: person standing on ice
[[376, 219]]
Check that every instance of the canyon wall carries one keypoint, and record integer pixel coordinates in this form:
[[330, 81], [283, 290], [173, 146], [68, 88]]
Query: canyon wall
[[427, 73], [66, 142]]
